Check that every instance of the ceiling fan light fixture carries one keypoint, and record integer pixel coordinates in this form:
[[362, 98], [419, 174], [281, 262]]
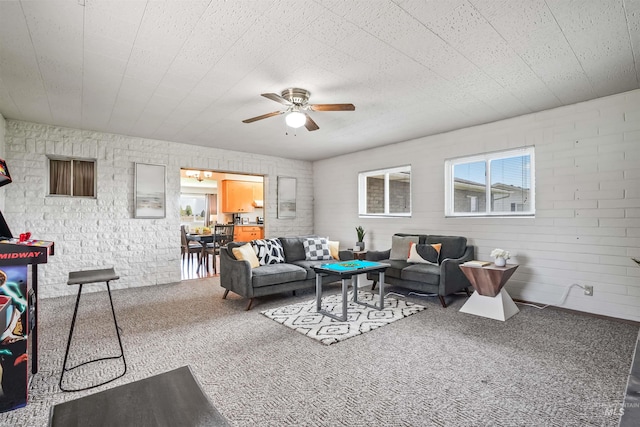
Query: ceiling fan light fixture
[[295, 119]]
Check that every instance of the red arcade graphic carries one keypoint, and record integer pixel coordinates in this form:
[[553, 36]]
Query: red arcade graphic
[[14, 327]]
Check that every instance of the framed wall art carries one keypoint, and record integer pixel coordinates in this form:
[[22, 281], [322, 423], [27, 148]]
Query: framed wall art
[[150, 191], [286, 197]]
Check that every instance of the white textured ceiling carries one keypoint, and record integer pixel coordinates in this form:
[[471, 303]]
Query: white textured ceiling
[[191, 71]]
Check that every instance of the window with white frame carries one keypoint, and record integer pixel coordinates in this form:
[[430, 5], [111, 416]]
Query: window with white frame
[[72, 177], [491, 184], [193, 208], [385, 192]]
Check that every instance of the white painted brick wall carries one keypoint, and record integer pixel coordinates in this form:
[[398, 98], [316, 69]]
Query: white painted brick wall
[[101, 232], [587, 224]]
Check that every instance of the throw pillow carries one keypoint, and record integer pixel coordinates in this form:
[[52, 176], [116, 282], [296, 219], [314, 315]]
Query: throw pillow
[[400, 246], [246, 253], [424, 254], [268, 251], [334, 249], [316, 248]]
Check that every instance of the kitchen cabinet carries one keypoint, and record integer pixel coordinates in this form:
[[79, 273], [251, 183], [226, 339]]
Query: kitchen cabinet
[[237, 196], [246, 233], [258, 194]]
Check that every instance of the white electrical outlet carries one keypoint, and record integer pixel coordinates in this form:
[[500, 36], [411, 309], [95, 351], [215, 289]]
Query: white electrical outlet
[[588, 290]]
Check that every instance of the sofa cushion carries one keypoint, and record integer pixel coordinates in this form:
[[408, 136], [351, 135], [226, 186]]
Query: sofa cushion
[[293, 248], [452, 246], [246, 253], [316, 248], [424, 254], [232, 245], [273, 274], [268, 251], [307, 264], [426, 273], [395, 267], [400, 246], [422, 238]]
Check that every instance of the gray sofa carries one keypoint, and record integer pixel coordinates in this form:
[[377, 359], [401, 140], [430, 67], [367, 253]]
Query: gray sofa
[[295, 273], [443, 279]]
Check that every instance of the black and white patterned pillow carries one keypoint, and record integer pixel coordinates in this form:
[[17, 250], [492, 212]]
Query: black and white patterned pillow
[[316, 248], [268, 251]]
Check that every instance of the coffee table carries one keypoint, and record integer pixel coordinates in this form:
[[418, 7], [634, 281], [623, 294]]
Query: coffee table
[[490, 299], [348, 270]]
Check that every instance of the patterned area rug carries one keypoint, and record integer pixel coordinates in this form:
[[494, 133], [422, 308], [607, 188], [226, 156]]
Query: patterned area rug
[[302, 317]]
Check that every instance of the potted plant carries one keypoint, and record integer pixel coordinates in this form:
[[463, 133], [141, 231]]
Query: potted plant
[[361, 233], [501, 257]]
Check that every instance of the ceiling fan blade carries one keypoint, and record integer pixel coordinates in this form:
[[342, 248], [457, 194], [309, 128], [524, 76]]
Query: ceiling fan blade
[[332, 107], [264, 116], [310, 124], [277, 98]]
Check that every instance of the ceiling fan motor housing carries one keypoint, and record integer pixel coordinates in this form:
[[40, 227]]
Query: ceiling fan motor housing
[[296, 95]]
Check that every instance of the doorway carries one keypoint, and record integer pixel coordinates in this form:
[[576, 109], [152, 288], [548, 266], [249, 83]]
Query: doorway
[[202, 205]]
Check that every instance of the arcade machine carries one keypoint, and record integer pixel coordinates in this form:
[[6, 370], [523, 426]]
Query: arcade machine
[[19, 259]]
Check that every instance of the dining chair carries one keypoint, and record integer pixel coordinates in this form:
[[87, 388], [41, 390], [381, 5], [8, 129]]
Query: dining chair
[[189, 247], [222, 234]]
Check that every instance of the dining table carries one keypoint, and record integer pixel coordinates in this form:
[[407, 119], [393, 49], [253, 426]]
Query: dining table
[[201, 238]]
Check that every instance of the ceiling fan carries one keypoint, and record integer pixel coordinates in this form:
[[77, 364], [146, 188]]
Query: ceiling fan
[[297, 103]]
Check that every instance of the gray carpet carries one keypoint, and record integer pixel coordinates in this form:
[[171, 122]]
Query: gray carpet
[[438, 367]]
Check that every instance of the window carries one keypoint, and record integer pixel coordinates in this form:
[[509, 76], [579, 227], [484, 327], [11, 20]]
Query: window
[[193, 209], [505, 179], [385, 192], [72, 177]]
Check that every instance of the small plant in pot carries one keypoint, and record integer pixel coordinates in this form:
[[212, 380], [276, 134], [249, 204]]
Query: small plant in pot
[[361, 233]]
